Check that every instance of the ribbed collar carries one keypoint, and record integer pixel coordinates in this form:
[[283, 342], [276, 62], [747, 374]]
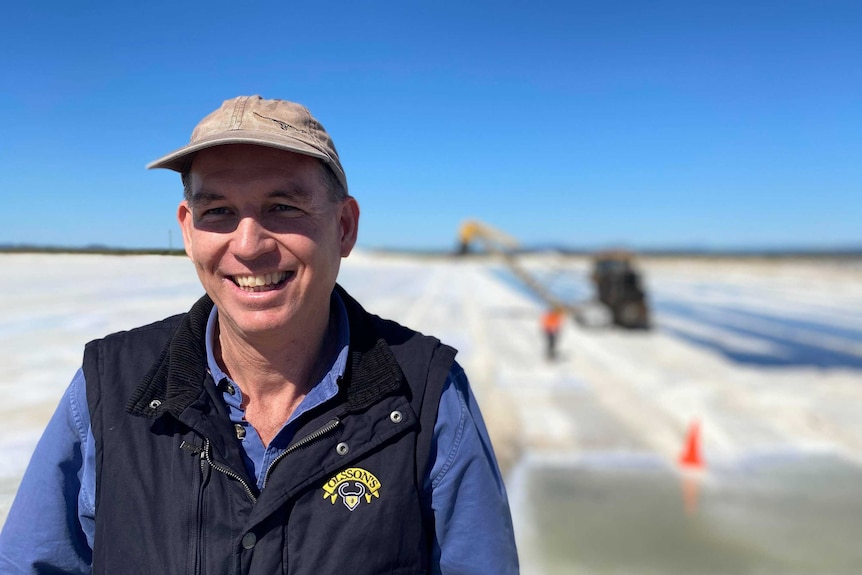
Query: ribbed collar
[[177, 378]]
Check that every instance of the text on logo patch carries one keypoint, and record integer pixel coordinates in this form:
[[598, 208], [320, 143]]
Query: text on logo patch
[[352, 485]]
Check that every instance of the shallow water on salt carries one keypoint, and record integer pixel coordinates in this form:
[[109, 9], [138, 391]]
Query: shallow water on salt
[[778, 515]]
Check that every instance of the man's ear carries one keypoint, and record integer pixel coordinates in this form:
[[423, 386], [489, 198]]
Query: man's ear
[[186, 221], [348, 223]]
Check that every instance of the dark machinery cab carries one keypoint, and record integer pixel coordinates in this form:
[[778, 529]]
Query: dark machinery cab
[[619, 287]]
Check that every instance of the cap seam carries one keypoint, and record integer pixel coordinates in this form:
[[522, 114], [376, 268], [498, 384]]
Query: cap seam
[[312, 122], [238, 113]]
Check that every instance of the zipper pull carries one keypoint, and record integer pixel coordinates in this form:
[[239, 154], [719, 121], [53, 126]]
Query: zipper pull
[[330, 426], [191, 449]]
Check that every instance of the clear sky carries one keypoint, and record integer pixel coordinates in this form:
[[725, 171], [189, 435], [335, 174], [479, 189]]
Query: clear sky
[[585, 123]]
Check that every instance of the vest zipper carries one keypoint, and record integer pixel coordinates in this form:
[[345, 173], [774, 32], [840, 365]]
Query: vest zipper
[[197, 551], [307, 440], [200, 559], [227, 471]]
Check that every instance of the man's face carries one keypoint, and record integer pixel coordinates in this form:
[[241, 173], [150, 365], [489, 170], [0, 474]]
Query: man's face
[[265, 238]]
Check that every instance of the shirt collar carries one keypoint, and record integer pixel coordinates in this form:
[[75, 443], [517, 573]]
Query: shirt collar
[[329, 383]]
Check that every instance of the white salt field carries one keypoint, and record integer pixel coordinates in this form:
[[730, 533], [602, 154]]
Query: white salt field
[[765, 356]]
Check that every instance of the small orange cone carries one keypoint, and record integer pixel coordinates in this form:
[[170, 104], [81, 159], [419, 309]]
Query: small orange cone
[[691, 456]]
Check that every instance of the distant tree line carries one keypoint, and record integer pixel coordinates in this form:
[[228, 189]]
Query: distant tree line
[[94, 249], [851, 252]]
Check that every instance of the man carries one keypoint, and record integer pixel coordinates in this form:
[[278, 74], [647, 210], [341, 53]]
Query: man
[[552, 321], [276, 427]]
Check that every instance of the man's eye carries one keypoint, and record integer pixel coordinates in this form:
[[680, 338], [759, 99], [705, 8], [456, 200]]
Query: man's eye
[[216, 212], [283, 208]]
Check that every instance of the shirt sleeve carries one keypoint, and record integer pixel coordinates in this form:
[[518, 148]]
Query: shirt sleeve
[[49, 527], [473, 524]]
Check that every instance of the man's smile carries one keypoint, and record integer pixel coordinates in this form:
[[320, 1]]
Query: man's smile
[[262, 282]]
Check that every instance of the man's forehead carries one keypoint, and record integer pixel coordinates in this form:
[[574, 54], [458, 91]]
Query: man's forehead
[[240, 164], [250, 154], [203, 195]]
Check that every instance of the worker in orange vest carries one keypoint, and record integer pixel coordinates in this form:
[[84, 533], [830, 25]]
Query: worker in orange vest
[[552, 321]]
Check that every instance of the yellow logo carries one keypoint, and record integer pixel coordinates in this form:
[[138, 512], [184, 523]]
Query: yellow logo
[[352, 485]]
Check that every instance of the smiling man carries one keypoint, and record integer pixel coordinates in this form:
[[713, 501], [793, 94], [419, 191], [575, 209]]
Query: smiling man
[[276, 427]]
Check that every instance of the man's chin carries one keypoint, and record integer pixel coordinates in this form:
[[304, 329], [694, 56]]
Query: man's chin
[[256, 322]]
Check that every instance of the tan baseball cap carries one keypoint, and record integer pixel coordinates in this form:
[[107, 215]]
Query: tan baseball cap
[[254, 120]]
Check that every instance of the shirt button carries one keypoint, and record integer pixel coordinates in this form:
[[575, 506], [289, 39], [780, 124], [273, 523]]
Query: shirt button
[[249, 540], [240, 430], [231, 389]]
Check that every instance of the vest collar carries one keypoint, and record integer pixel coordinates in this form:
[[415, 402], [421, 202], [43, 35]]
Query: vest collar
[[177, 378], [372, 370]]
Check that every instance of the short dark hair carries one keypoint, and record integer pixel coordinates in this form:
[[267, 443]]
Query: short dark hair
[[334, 189], [333, 185]]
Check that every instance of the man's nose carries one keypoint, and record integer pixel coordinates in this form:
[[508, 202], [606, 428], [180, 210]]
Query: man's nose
[[252, 239]]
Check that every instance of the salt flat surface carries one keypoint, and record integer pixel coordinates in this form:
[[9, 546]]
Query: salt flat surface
[[766, 356]]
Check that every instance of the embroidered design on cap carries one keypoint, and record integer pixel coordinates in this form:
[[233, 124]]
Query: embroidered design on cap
[[352, 486], [282, 124]]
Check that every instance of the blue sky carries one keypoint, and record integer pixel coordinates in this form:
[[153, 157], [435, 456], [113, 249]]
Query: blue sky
[[651, 124]]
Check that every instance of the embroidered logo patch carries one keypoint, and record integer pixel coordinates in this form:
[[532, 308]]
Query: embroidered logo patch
[[352, 486]]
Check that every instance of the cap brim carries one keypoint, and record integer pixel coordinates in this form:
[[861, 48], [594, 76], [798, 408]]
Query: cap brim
[[180, 160]]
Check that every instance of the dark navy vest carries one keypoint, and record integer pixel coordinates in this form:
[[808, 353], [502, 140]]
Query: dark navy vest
[[172, 492]]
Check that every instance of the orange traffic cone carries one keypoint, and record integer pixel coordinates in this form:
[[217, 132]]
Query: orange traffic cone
[[691, 456]]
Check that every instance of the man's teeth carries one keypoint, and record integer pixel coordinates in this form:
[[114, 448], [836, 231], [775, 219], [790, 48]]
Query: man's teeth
[[260, 280]]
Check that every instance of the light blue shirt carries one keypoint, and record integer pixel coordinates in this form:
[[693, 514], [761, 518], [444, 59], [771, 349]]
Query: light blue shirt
[[51, 524], [257, 457]]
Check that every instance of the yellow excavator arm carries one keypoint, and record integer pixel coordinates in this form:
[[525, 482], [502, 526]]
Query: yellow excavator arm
[[491, 238]]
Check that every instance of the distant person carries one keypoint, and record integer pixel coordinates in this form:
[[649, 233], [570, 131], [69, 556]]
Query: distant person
[[552, 321], [277, 427]]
